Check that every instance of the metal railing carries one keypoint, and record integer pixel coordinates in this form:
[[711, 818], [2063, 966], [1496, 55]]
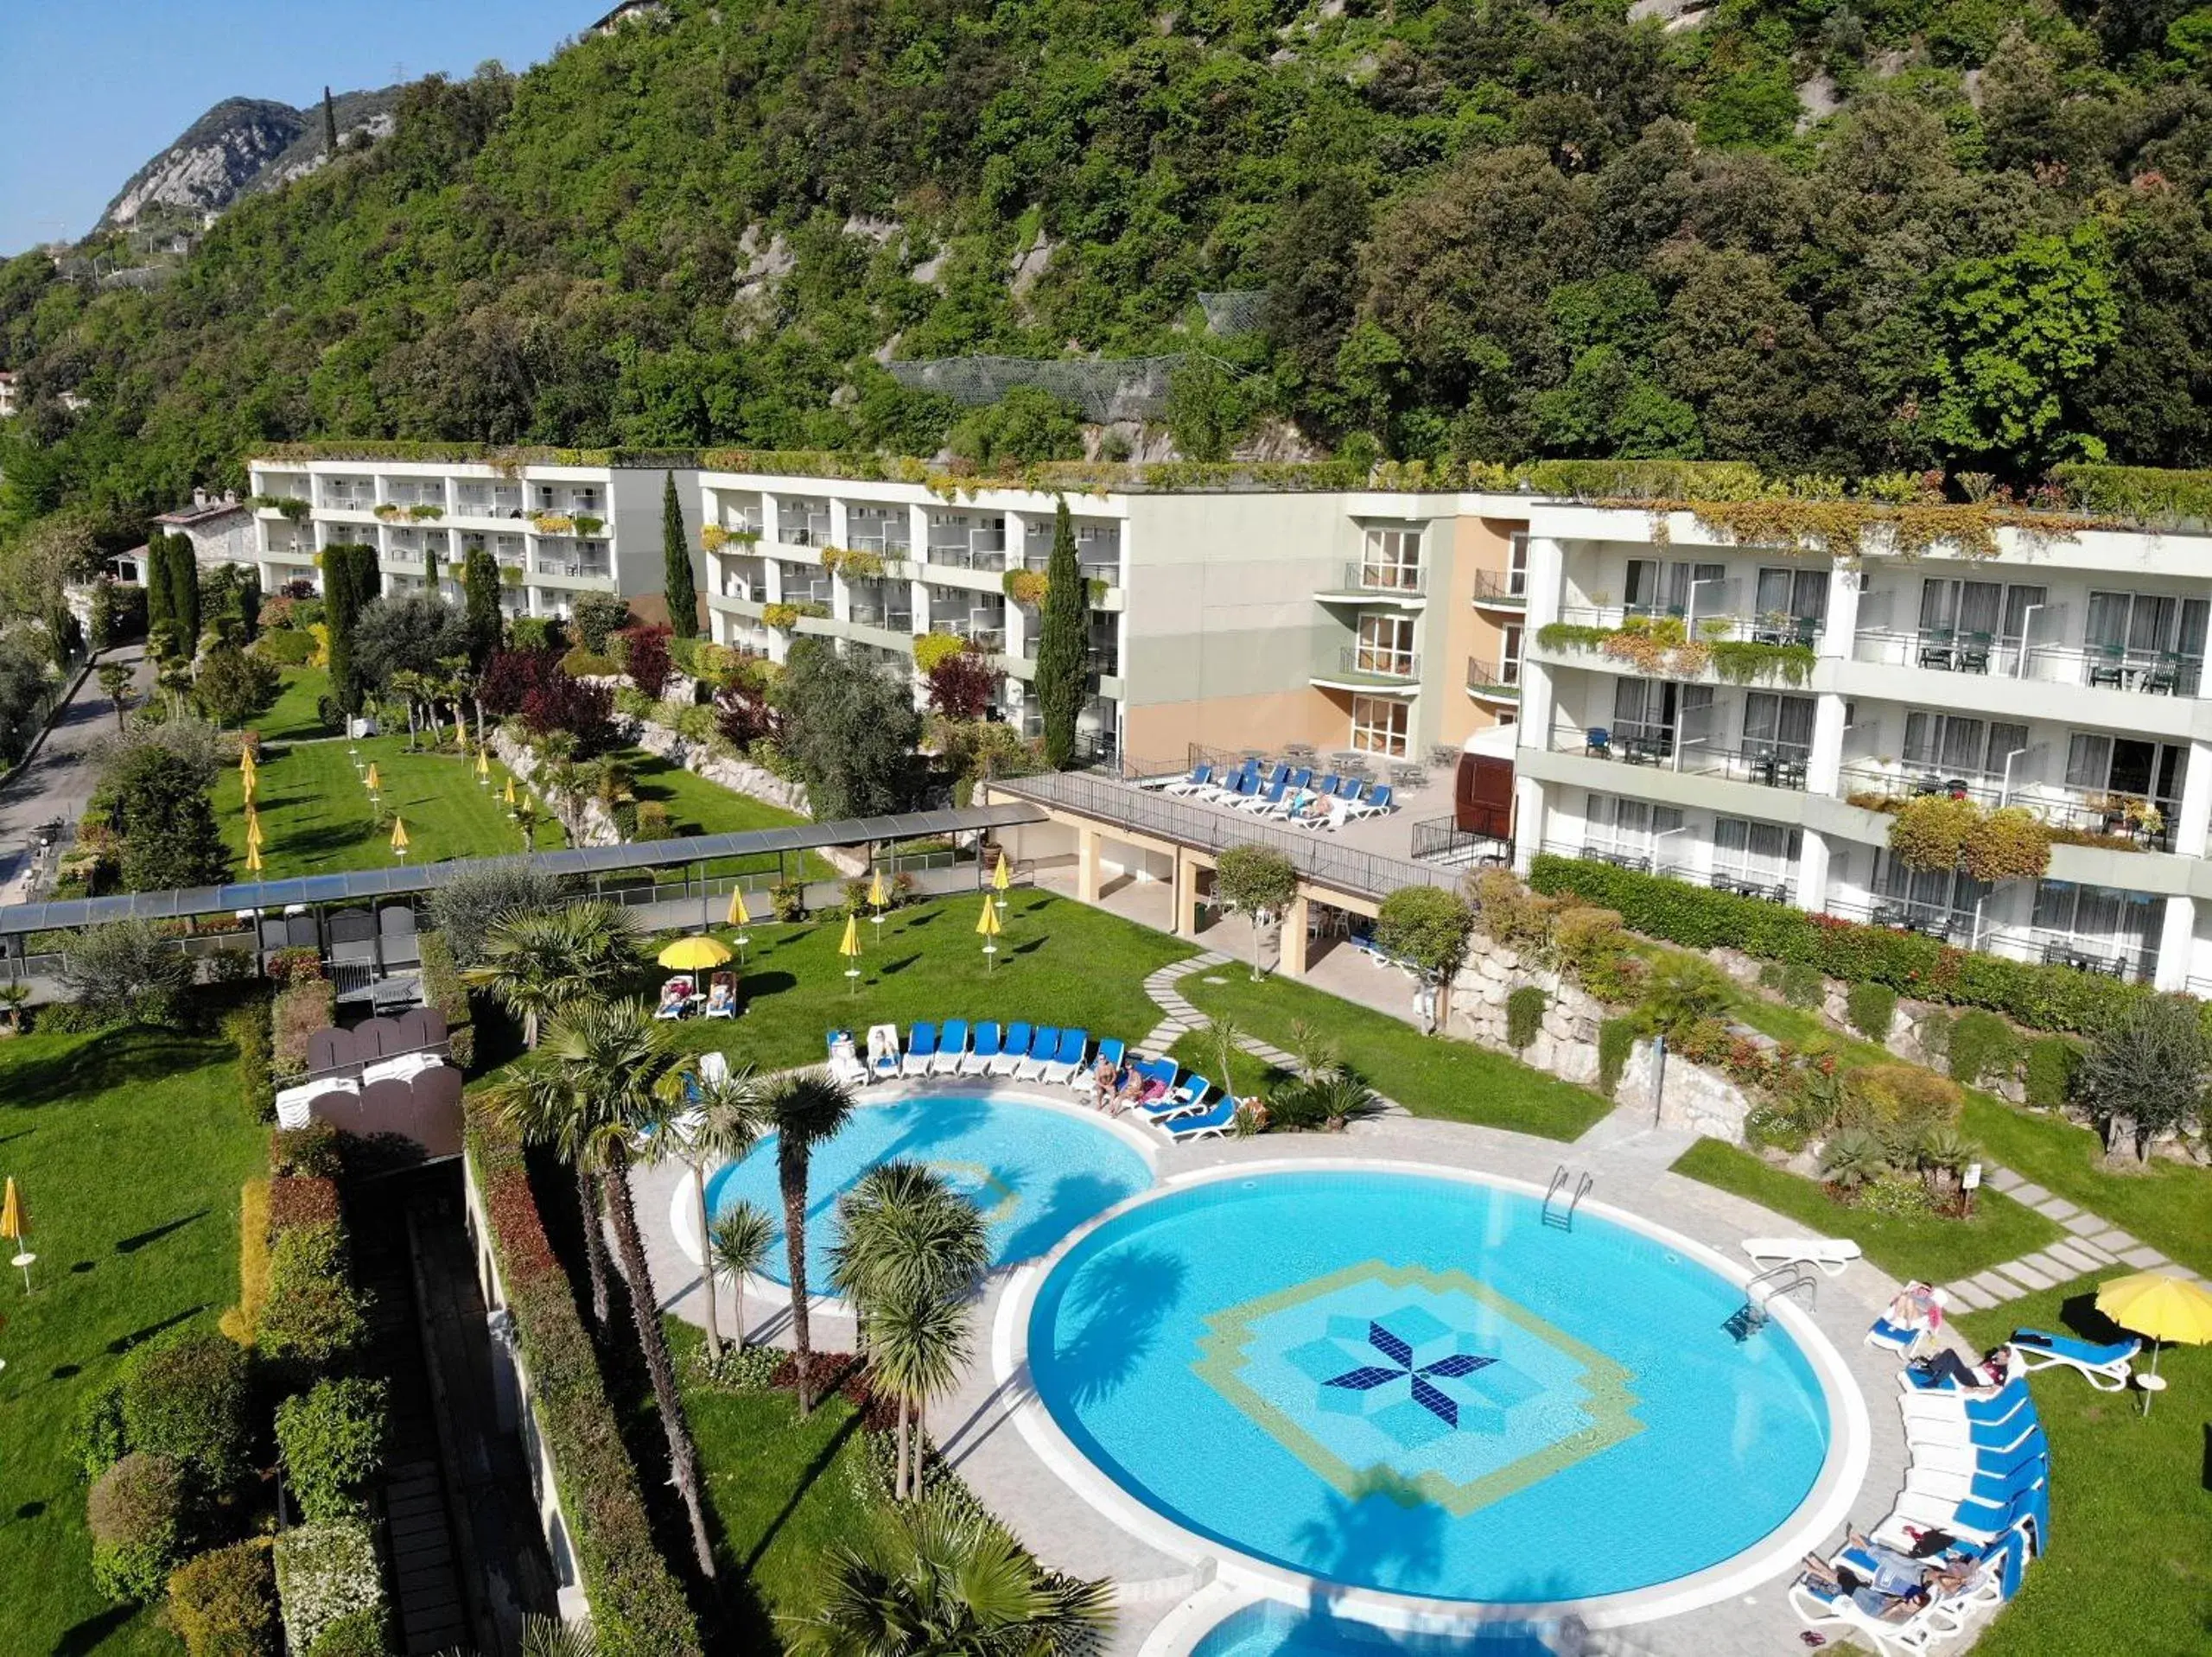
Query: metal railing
[[1768, 764], [2147, 822], [971, 552], [1493, 678], [1507, 589], [1373, 662], [1320, 859], [1386, 579], [1441, 840], [2109, 667], [877, 615], [884, 546]]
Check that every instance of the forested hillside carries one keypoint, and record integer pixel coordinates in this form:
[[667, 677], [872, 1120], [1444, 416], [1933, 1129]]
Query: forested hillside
[[1835, 238]]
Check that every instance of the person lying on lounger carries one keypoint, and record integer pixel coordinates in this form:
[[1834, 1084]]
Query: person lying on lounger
[[1899, 1590], [1982, 1380]]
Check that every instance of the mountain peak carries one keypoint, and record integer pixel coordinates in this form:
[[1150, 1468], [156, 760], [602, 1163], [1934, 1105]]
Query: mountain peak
[[239, 144]]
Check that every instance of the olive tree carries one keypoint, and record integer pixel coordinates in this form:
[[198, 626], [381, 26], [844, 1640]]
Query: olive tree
[[2147, 1074], [1426, 928], [1258, 882]]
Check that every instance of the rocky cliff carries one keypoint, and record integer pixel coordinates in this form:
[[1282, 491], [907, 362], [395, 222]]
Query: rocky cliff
[[241, 145]]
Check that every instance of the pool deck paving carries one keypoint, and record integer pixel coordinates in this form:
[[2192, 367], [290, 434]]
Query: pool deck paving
[[976, 1430]]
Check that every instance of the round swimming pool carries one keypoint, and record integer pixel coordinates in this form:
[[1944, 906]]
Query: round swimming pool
[[1268, 1629], [1036, 1170], [1412, 1384]]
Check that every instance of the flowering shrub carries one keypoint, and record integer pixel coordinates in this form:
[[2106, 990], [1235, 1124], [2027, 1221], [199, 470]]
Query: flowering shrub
[[136, 1515], [325, 1572], [224, 1603]]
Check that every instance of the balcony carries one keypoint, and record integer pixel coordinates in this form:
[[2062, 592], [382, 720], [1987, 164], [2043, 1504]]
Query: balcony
[[1501, 589], [1373, 667], [408, 555], [990, 640], [883, 616], [2109, 817], [984, 549], [1366, 583], [1494, 681], [891, 546], [817, 591], [487, 503], [590, 570], [1767, 764], [2110, 667]]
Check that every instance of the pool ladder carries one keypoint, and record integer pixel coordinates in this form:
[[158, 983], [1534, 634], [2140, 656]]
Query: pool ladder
[[1769, 1285], [1565, 1194]]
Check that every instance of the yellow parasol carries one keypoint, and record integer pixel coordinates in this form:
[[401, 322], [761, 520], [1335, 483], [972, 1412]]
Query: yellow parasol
[[988, 929], [2165, 1308], [1002, 878], [877, 899], [693, 954], [483, 769], [245, 761], [372, 779], [510, 795], [252, 827], [849, 946], [249, 785], [738, 914], [16, 1228], [399, 835], [253, 860]]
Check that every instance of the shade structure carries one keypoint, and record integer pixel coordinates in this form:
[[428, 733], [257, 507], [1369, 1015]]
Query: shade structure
[[510, 795], [15, 1224], [253, 859], [372, 779], [399, 834], [483, 764], [1001, 876], [849, 945], [693, 954], [875, 895], [2165, 1308], [988, 927], [738, 914]]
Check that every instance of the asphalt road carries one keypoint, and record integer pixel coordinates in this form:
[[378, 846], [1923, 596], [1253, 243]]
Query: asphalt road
[[60, 780]]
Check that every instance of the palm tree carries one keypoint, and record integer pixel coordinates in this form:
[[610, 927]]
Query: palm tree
[[951, 1581], [592, 1092], [910, 1250], [538, 964], [808, 1108], [407, 685], [723, 1117], [115, 685], [738, 1246]]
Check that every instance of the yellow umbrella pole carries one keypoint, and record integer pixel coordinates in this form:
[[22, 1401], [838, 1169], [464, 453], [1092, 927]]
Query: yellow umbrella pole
[[739, 917], [849, 946], [16, 1228], [988, 929]]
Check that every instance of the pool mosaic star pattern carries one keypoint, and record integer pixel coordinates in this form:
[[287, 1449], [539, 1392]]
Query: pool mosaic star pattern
[[1427, 1385]]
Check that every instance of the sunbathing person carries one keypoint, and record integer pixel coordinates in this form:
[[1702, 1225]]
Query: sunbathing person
[[1103, 1075], [720, 997], [1870, 1599], [1983, 1380], [675, 996]]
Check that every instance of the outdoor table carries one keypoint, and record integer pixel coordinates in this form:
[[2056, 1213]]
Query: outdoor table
[[2151, 1385], [1408, 776]]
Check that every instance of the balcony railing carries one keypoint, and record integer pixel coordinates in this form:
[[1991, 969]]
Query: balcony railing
[[1392, 581], [1768, 764], [803, 532], [1375, 661], [883, 616], [2145, 823], [982, 549], [403, 555], [2110, 667], [814, 592], [991, 640], [581, 569], [1502, 589], [1496, 679], [900, 545], [503, 503]]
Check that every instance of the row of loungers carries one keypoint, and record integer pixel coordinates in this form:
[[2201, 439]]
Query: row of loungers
[[1980, 1474], [1044, 1054], [1287, 792]]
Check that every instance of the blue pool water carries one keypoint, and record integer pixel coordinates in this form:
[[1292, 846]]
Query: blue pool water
[[1412, 1384], [1036, 1173], [1271, 1630]]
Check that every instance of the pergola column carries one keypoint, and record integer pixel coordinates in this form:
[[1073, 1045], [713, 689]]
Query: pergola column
[[1292, 946]]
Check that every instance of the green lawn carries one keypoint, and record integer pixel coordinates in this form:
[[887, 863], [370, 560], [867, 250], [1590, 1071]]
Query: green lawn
[[2167, 1204], [2130, 1567], [316, 818], [1923, 1246], [130, 1149], [696, 806], [1455, 1081], [783, 1493], [1059, 962], [292, 716]]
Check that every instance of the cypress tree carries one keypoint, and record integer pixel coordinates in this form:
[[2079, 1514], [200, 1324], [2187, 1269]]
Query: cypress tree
[[156, 574], [249, 592], [329, 125], [676, 556], [341, 604], [479, 581], [1063, 646], [184, 593], [430, 568]]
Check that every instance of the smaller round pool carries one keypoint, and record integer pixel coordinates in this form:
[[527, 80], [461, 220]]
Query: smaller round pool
[[1036, 1170]]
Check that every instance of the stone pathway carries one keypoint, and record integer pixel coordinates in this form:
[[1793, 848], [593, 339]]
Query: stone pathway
[[2091, 1245], [1183, 1018]]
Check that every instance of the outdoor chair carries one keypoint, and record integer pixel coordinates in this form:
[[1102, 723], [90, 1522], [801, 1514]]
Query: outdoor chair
[[1013, 1051], [2106, 1365], [1042, 1046], [951, 1048], [921, 1048], [978, 1059]]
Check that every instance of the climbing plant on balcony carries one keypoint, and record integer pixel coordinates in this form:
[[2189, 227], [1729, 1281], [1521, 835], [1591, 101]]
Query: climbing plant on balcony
[[934, 649], [1026, 587], [853, 563], [553, 522], [1929, 831], [425, 512], [712, 536], [1744, 661], [1936, 831]]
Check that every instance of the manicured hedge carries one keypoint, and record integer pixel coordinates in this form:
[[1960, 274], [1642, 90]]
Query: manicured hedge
[[637, 1604], [2040, 997], [443, 989]]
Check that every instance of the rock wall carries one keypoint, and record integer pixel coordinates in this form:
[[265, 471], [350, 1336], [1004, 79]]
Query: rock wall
[[1693, 1098], [588, 823], [1567, 1040]]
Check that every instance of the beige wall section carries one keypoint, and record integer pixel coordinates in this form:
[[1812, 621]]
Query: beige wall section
[[1161, 733], [1464, 633]]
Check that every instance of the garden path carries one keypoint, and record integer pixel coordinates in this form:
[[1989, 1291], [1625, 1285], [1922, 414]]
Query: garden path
[[2091, 1245]]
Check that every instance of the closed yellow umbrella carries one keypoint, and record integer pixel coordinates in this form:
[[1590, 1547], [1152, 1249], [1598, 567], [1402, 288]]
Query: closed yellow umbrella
[[16, 1228], [693, 954], [2165, 1308], [252, 826], [988, 928], [849, 946], [372, 779], [245, 761], [877, 899], [738, 914], [510, 795], [1002, 879], [253, 860], [249, 785], [483, 769], [399, 835]]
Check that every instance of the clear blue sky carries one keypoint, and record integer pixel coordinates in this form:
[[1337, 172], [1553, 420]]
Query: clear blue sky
[[91, 89]]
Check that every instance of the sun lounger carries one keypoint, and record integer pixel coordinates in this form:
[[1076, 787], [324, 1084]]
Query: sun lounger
[[883, 1052], [1376, 802], [1200, 776], [1042, 1046], [1109, 1051], [1903, 1339], [1188, 1100], [2106, 1365], [951, 1048], [921, 1048], [845, 1066], [1830, 1254], [1012, 1050], [721, 996], [1946, 1404], [1211, 1125], [1067, 1058], [675, 997], [978, 1058]]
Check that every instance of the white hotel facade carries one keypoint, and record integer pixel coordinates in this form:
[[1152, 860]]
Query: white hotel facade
[[2066, 674]]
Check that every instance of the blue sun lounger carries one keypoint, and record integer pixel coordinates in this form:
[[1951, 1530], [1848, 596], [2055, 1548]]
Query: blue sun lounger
[[921, 1048], [1067, 1057], [2106, 1365], [1110, 1050], [1213, 1124], [1042, 1046], [1014, 1049], [951, 1048], [978, 1058], [1185, 1101]]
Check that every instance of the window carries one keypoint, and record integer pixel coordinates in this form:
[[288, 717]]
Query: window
[[1671, 589], [1516, 565], [1380, 725], [1386, 646], [2109, 921], [1633, 831], [1960, 747], [1643, 711], [2141, 628], [1944, 898], [1509, 654], [1793, 595], [1778, 727], [2151, 770], [1761, 853], [1392, 562]]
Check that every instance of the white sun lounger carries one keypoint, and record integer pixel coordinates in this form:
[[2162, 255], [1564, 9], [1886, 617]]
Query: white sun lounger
[[1831, 1254]]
